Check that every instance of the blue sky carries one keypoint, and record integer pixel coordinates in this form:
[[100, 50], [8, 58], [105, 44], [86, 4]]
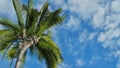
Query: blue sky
[[88, 38]]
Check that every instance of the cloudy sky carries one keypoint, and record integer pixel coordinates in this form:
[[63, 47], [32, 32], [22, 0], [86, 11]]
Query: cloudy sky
[[88, 38]]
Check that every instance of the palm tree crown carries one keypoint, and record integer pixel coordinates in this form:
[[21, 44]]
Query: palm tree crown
[[29, 34]]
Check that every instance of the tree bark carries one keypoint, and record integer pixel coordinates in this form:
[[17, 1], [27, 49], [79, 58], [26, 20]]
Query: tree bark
[[21, 53]]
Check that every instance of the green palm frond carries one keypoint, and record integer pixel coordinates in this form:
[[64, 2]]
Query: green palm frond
[[13, 52], [4, 32], [49, 40], [6, 39], [49, 19], [8, 24], [6, 45], [25, 7], [49, 51], [29, 11], [30, 5], [56, 18], [50, 54], [19, 13], [43, 11], [33, 21], [33, 18]]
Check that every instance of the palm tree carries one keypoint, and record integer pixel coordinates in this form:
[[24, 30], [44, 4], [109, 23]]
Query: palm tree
[[30, 34]]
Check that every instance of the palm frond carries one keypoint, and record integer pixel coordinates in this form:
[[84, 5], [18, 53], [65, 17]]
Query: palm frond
[[8, 24], [6, 45], [49, 19], [56, 18], [29, 11], [13, 52], [18, 9], [25, 7], [43, 11], [30, 5], [33, 21], [49, 40], [6, 39], [49, 51], [3, 32]]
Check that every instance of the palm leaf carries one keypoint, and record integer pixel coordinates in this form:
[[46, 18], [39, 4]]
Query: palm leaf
[[33, 18], [18, 9], [4, 32], [49, 51], [56, 18], [6, 39], [30, 5], [8, 24], [43, 10], [33, 21], [13, 52], [29, 11], [6, 45], [49, 40], [49, 19]]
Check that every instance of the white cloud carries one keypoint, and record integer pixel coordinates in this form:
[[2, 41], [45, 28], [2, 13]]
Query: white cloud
[[109, 56], [83, 36], [111, 31], [4, 6], [102, 18], [57, 2], [98, 18], [86, 36], [55, 35], [115, 6], [73, 24], [80, 62], [118, 42], [118, 65], [84, 8], [117, 54], [101, 37], [7, 10], [94, 59], [92, 35]]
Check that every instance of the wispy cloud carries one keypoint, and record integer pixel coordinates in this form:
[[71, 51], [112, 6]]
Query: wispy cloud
[[7, 9], [73, 23], [80, 62], [115, 6], [94, 59]]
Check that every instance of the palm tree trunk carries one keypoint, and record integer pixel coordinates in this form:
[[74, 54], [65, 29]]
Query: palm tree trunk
[[21, 53]]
